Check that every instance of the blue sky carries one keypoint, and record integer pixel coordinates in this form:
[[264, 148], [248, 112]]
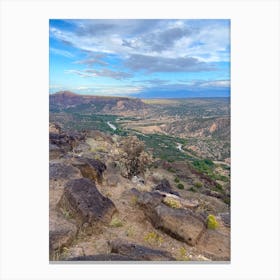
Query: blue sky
[[140, 58]]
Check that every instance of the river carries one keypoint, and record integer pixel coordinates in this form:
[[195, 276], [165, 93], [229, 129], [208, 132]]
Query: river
[[111, 126]]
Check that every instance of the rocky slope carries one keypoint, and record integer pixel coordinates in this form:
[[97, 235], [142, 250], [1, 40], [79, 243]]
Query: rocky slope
[[98, 215], [98, 104]]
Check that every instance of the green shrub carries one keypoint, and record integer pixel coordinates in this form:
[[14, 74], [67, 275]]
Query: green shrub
[[152, 238], [176, 180], [198, 184], [116, 222], [182, 255], [212, 222], [134, 200], [180, 186], [192, 189], [172, 202]]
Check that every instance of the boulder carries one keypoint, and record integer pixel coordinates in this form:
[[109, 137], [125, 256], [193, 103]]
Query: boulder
[[58, 170], [54, 151], [86, 204], [182, 224], [225, 218], [82, 148], [139, 252], [164, 186], [66, 141], [61, 232], [90, 168], [215, 244], [103, 257]]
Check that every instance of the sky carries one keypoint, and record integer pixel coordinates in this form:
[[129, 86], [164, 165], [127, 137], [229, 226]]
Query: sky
[[140, 57]]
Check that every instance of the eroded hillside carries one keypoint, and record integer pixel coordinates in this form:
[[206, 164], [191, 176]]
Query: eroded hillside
[[164, 213]]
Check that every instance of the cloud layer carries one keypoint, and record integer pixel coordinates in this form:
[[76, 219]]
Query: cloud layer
[[150, 53]]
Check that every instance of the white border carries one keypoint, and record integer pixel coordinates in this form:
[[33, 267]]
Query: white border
[[24, 137]]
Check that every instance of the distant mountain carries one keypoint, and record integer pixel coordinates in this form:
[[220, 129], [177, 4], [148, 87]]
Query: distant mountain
[[162, 93], [69, 101]]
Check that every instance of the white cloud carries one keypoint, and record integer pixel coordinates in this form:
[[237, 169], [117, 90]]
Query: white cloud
[[61, 52], [167, 38], [222, 83]]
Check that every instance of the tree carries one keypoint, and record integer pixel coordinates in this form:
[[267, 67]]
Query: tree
[[132, 157]]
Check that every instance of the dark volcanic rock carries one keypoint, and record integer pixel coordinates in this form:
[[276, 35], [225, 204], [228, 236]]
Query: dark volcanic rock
[[164, 186], [82, 148], [62, 140], [90, 168], [62, 171], [225, 218], [86, 204], [54, 151], [180, 223], [103, 257], [140, 252], [150, 199], [61, 233]]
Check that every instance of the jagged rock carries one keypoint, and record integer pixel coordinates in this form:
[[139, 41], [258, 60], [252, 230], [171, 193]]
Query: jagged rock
[[149, 200], [54, 128], [86, 204], [59, 170], [82, 148], [140, 252], [54, 151], [103, 257], [61, 232], [165, 186], [215, 245], [90, 168], [65, 141]]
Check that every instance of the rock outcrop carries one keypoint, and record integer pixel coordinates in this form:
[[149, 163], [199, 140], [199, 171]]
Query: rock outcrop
[[103, 257], [139, 252], [59, 170], [179, 223], [61, 142], [90, 168], [215, 245], [182, 224], [164, 186], [61, 233], [86, 204]]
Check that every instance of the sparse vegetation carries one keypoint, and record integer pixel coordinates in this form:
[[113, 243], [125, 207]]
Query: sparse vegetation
[[116, 222], [153, 238], [66, 214], [168, 142], [176, 180], [173, 203], [132, 158], [180, 186], [198, 184], [182, 255], [212, 222], [134, 200], [130, 232], [192, 189]]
